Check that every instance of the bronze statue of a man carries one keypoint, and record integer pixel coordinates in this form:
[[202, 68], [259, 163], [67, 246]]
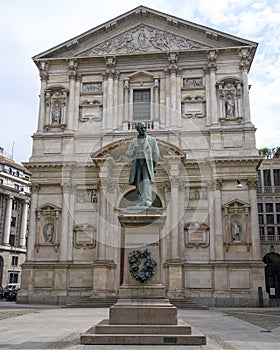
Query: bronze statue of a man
[[143, 151]]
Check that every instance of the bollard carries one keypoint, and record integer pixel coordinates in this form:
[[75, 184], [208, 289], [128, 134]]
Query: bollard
[[260, 292]]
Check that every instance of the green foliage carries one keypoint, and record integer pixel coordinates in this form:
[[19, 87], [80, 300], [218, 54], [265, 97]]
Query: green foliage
[[269, 153]]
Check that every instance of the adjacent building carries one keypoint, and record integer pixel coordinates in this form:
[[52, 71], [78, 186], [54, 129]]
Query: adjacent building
[[269, 222], [14, 213], [189, 85]]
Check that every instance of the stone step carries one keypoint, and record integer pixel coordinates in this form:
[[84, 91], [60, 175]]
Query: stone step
[[187, 303], [91, 338], [183, 303], [88, 302]]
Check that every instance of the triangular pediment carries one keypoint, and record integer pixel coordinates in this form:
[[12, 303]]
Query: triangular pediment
[[236, 203], [143, 30]]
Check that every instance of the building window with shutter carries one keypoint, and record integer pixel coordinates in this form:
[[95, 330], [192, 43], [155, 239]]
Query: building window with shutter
[[141, 105]]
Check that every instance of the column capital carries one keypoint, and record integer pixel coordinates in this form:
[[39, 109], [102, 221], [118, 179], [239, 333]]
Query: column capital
[[252, 183], [35, 188], [43, 68], [68, 187], [212, 57], [72, 68], [245, 59]]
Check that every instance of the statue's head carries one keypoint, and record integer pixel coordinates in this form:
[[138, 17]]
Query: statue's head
[[141, 128]]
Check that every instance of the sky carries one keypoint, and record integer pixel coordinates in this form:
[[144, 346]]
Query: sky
[[30, 27]]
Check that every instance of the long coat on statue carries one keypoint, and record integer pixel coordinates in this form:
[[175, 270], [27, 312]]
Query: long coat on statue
[[151, 154]]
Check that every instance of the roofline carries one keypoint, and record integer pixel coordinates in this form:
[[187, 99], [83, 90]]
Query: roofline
[[137, 10]]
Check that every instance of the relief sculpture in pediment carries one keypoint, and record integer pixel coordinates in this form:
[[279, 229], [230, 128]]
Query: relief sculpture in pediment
[[143, 39]]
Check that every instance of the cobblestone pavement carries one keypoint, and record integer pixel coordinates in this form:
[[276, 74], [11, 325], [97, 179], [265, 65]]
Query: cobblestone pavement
[[53, 327], [267, 318]]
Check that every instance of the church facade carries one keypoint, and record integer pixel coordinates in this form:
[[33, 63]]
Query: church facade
[[189, 85]]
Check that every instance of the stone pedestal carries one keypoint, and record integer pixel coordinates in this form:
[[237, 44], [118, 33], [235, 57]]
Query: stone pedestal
[[142, 314]]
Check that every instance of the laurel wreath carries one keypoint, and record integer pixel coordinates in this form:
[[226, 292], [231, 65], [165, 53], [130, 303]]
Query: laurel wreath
[[149, 265]]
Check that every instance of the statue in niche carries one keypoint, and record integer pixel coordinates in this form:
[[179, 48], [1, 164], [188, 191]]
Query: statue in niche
[[143, 151], [230, 106], [48, 232], [56, 113], [235, 231]]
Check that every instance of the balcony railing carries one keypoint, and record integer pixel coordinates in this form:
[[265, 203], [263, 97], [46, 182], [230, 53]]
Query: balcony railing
[[270, 238]]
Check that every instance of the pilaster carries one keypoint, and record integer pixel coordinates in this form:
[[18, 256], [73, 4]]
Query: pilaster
[[244, 67], [43, 68], [212, 67], [35, 189], [219, 239], [72, 72], [254, 223]]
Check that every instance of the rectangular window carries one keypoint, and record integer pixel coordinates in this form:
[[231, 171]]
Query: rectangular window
[[260, 207], [13, 221], [14, 260], [12, 240], [13, 277], [15, 204], [259, 179], [261, 219], [141, 104], [278, 219], [266, 177], [270, 231], [278, 207], [276, 175], [270, 219], [269, 207], [16, 187]]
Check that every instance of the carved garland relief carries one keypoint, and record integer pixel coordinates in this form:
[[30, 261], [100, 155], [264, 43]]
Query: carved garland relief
[[143, 39]]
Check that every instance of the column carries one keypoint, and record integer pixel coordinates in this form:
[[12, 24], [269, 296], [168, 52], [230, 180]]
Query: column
[[23, 226], [115, 102], [102, 222], [44, 78], [71, 109], [32, 222], [211, 221], [76, 103], [110, 101], [254, 221], [71, 215], [174, 219], [179, 100], [219, 239], [208, 99], [244, 66], [167, 100], [8, 217], [212, 55], [156, 99], [104, 114], [173, 97], [126, 100], [64, 236]]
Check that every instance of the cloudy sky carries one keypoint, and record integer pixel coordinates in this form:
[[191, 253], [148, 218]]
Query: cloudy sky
[[30, 27]]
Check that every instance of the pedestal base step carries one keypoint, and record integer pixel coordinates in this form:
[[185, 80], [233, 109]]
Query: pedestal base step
[[104, 327], [106, 334]]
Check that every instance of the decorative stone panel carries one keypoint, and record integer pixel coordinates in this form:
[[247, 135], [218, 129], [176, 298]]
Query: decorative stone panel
[[196, 235]]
